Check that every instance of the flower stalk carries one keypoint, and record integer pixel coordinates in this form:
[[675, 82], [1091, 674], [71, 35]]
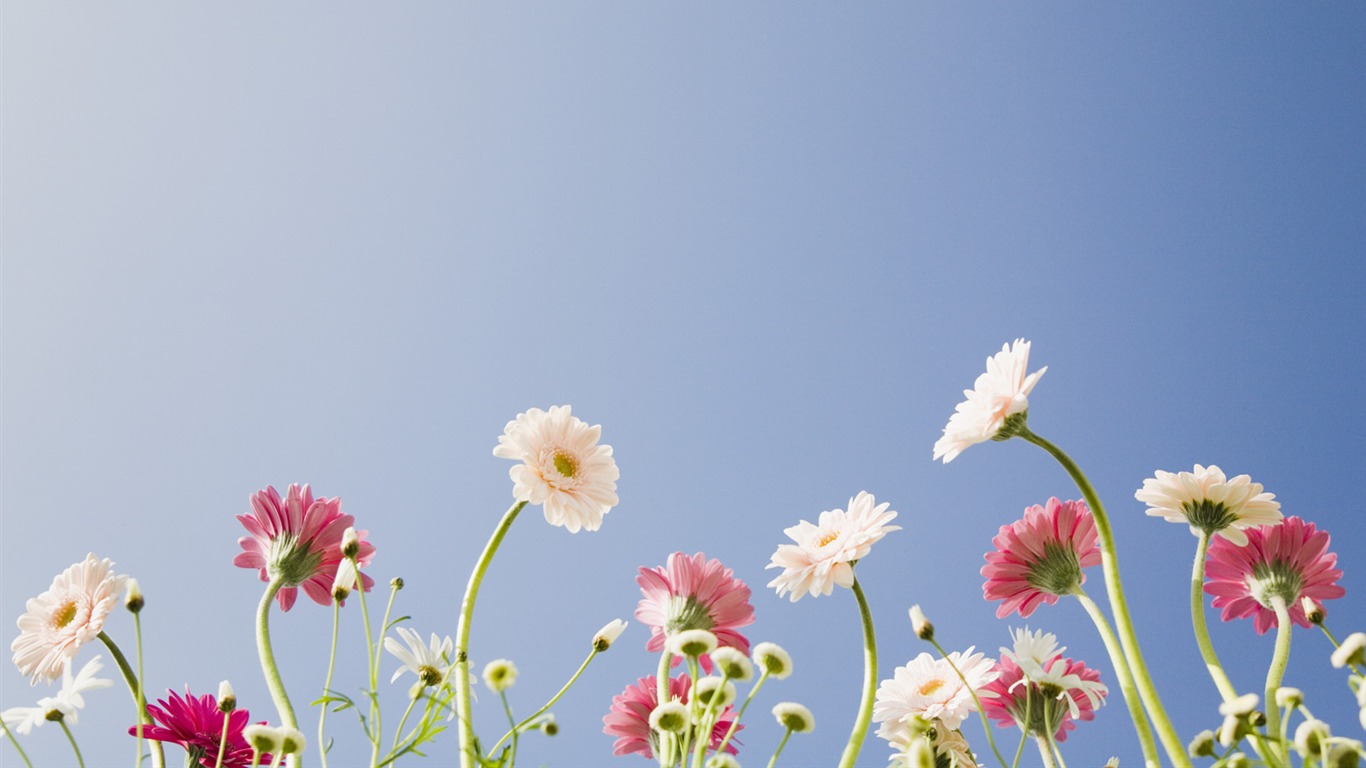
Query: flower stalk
[[134, 687], [1124, 676], [865, 710], [263, 649], [1216, 670]]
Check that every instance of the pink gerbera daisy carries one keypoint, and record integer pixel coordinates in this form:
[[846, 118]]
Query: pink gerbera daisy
[[1288, 561], [563, 468], [1068, 692], [629, 718], [68, 615], [196, 723], [694, 593], [1040, 557], [299, 540]]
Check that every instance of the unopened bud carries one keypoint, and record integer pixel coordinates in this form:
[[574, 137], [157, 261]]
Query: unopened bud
[[350, 544], [1237, 760], [1111, 763], [227, 700], [344, 581], [1344, 754], [1241, 706], [1313, 610], [723, 760], [396, 583], [922, 626], [132, 598], [919, 753], [550, 727], [608, 635], [710, 691]]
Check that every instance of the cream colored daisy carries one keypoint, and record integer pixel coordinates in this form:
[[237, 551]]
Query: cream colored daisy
[[68, 615], [824, 553], [563, 468], [1000, 393], [1207, 500]]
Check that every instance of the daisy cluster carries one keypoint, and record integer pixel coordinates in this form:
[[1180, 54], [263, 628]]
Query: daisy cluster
[[1251, 561]]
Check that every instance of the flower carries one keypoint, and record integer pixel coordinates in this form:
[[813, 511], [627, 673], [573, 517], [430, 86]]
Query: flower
[[923, 627], [196, 723], [773, 660], [563, 468], [1207, 501], [933, 745], [1040, 557], [1352, 651], [733, 664], [712, 688], [608, 634], [692, 592], [825, 553], [997, 395], [68, 615], [629, 718], [63, 706], [794, 717], [691, 642], [670, 716], [298, 539], [1056, 693], [430, 662], [499, 674], [1288, 561], [930, 688]]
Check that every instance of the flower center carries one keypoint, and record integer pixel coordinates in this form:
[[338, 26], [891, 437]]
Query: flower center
[[1058, 572], [687, 613], [930, 687], [565, 463], [1208, 516], [1275, 579], [291, 561], [429, 675], [64, 614], [826, 538]]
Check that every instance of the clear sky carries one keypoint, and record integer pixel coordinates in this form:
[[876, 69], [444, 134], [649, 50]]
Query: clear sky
[[765, 246]]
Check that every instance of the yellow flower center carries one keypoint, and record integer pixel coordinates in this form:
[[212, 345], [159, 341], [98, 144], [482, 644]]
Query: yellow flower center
[[565, 463], [827, 537], [64, 614], [931, 687]]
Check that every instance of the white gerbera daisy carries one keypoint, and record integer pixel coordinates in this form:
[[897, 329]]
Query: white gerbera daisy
[[65, 705], [1206, 500], [1032, 650], [563, 468], [430, 661], [929, 688], [1001, 392], [68, 615], [824, 553]]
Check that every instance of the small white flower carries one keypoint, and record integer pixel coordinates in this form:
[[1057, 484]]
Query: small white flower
[[723, 760], [712, 687], [22, 720], [1289, 697], [794, 717], [1032, 650], [773, 659], [1207, 500], [499, 675], [691, 642], [1311, 738], [670, 716], [291, 741], [262, 738], [1240, 707], [429, 662], [563, 468], [1001, 392], [64, 705], [608, 634], [733, 663], [1351, 652]]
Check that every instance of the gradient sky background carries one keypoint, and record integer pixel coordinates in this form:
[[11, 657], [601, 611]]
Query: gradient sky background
[[765, 246]]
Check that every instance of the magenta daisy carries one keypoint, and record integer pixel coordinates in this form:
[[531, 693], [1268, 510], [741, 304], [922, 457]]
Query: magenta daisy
[[1289, 561], [68, 615], [1040, 557], [563, 468], [298, 539], [694, 593], [629, 718], [196, 723], [1068, 691], [824, 554]]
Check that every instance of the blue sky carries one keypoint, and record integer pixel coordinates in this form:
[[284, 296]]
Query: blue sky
[[766, 247]]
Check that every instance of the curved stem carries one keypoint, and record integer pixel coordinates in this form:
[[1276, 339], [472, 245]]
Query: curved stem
[[327, 683], [666, 739], [398, 732], [1045, 753], [565, 689], [1216, 670], [1125, 677], [71, 738], [10, 737], [1276, 672], [865, 710], [774, 760], [462, 636], [705, 724], [268, 668], [134, 687], [376, 729], [1176, 751], [739, 715], [512, 721], [975, 700]]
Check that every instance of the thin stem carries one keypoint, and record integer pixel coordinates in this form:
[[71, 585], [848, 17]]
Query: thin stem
[[865, 710], [71, 738], [1276, 672], [1216, 670], [462, 636], [372, 661], [272, 672], [705, 722], [10, 736], [1176, 751], [134, 686], [512, 721], [223, 740], [563, 690], [666, 739], [1024, 729], [398, 732], [1052, 740], [1354, 667], [1126, 680], [142, 691], [384, 626], [327, 683], [740, 715], [1045, 752], [774, 760], [975, 700]]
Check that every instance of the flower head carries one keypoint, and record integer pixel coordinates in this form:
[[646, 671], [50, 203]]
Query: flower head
[[430, 662], [1286, 561], [689, 593], [930, 689], [1040, 557], [196, 723], [298, 539], [1035, 695], [65, 705], [794, 717], [608, 634], [824, 554], [563, 468], [68, 615], [629, 718], [773, 659], [997, 395], [499, 675], [1208, 501]]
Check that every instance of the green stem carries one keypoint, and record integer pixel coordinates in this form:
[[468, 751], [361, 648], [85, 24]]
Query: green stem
[[1176, 751], [666, 740], [975, 700], [1125, 677], [1052, 740], [134, 687], [468, 759], [10, 736], [71, 738], [327, 683], [1354, 667], [376, 729], [1024, 729], [223, 740], [774, 760], [398, 732], [865, 710], [1045, 752], [1216, 670], [142, 690], [565, 689], [272, 672], [1276, 672], [512, 721], [734, 724], [705, 723]]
